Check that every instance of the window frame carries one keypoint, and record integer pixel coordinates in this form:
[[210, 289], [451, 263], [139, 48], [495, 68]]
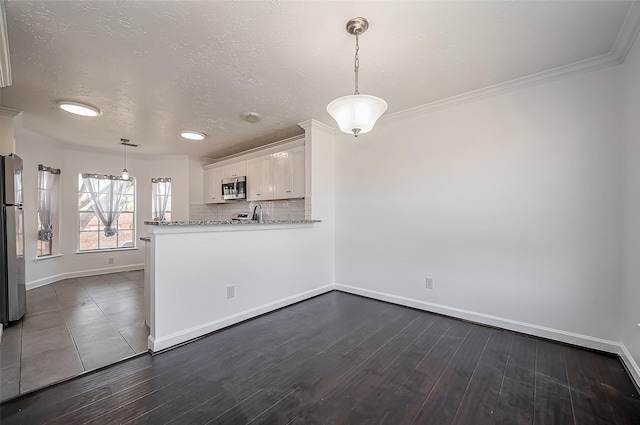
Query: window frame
[[169, 197], [41, 244], [99, 226], [53, 248]]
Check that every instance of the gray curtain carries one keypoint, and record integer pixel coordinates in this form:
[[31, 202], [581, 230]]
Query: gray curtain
[[160, 193], [107, 198], [48, 182]]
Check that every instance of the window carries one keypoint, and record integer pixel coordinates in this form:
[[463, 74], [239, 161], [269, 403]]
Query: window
[[48, 183], [106, 207], [161, 199]]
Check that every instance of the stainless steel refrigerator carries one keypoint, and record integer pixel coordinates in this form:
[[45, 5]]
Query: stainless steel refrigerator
[[13, 297]]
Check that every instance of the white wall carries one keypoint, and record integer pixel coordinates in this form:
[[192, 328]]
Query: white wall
[[631, 210], [9, 121], [196, 180], [37, 149], [320, 184], [177, 168], [511, 203], [270, 266]]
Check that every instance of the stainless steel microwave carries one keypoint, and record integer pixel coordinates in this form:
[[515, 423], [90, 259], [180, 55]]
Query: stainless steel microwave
[[234, 188]]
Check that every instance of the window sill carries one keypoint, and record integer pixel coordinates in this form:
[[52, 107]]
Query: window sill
[[46, 258], [94, 251]]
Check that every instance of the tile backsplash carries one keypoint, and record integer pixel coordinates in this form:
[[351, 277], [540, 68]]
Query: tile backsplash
[[288, 209]]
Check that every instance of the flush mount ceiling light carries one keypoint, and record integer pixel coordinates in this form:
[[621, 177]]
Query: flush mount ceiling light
[[251, 116], [192, 135], [357, 113], [126, 142], [79, 108]]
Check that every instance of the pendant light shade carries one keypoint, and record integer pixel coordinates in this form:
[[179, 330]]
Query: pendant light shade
[[357, 114]]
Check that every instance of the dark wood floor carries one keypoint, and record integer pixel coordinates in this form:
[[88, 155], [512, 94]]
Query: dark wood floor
[[342, 359]]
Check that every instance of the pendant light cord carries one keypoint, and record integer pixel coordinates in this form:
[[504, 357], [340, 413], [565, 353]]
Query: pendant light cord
[[357, 64], [125, 157]]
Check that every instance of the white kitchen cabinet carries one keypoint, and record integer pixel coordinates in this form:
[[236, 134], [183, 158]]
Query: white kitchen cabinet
[[260, 178], [237, 169], [288, 174], [213, 185]]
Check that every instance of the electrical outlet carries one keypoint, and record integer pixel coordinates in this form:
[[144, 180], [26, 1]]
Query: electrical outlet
[[428, 283], [110, 260], [231, 291]]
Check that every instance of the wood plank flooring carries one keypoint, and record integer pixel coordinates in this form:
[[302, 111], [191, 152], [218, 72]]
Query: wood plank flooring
[[343, 359]]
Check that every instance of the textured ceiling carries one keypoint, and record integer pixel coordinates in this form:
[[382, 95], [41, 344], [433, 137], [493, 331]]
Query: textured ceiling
[[156, 67]]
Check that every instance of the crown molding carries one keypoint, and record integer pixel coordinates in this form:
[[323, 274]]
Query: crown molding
[[41, 138], [5, 63], [628, 32], [66, 146], [626, 37], [254, 150], [101, 151], [598, 62], [8, 112], [167, 157], [308, 124]]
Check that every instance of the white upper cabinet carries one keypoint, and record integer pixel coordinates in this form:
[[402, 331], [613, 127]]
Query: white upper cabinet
[[260, 178], [237, 169], [288, 174], [273, 175], [213, 185]]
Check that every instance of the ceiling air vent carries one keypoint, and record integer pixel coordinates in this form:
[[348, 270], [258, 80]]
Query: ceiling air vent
[[5, 64]]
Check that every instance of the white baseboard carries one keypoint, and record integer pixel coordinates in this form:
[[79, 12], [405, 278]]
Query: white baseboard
[[513, 325], [176, 338], [486, 319], [630, 363], [69, 275]]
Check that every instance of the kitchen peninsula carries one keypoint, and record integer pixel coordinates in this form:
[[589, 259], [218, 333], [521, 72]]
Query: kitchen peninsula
[[206, 275]]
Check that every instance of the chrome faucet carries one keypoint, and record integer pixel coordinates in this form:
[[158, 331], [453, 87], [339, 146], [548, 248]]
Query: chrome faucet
[[255, 215]]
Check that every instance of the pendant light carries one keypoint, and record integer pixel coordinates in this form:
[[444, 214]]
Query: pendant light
[[125, 173], [357, 114]]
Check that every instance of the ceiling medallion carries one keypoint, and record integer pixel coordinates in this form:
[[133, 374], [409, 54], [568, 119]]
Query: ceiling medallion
[[251, 116]]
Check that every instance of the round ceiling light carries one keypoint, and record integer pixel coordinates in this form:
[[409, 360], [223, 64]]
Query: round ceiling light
[[192, 135], [251, 116], [79, 108]]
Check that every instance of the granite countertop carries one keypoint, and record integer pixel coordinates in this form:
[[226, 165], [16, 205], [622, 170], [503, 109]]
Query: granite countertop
[[232, 222]]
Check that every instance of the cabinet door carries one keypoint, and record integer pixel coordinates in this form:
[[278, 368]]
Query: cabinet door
[[235, 170], [297, 182], [260, 179], [213, 185], [288, 174]]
